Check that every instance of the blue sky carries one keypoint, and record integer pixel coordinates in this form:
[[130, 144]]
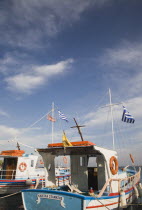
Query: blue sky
[[71, 53]]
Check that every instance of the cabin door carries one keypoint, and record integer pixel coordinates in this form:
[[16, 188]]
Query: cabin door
[[11, 164], [92, 178]]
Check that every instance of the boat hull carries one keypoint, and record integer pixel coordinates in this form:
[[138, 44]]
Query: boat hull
[[13, 186], [55, 199]]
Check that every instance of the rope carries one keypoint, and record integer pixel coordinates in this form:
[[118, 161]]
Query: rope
[[100, 202], [39, 120], [10, 195]]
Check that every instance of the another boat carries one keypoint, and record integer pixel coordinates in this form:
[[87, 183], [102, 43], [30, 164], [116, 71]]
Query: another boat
[[62, 175], [102, 186], [20, 171]]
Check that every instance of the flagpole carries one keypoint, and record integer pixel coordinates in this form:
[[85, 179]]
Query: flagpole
[[112, 127], [52, 122]]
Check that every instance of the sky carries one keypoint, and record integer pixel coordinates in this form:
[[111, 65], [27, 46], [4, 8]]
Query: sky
[[71, 53]]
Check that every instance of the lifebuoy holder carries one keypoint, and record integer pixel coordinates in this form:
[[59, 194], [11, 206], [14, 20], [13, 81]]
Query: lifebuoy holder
[[22, 166], [65, 159], [113, 165]]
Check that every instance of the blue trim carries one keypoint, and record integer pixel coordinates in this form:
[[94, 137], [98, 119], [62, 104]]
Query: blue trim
[[83, 197]]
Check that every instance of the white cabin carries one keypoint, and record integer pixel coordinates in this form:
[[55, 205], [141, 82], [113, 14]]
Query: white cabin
[[82, 175], [18, 165]]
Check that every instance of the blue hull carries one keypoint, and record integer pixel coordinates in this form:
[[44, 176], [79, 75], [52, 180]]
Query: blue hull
[[49, 199]]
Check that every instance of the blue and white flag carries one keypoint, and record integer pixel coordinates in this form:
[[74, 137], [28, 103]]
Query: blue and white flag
[[62, 116], [127, 117]]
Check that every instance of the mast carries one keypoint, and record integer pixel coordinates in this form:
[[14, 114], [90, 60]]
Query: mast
[[52, 122], [111, 109], [112, 126]]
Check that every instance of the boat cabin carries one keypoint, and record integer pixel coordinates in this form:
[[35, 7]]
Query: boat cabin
[[83, 175], [16, 164]]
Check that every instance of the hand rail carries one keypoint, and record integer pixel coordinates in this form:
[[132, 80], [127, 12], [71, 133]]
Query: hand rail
[[135, 178], [13, 175]]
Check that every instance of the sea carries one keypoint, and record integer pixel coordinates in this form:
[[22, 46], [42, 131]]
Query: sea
[[14, 202]]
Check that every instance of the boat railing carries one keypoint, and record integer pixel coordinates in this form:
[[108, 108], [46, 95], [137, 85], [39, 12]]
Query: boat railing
[[7, 174], [123, 183], [63, 179], [11, 174]]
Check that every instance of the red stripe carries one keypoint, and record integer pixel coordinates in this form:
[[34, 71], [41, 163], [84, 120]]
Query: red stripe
[[14, 186], [90, 207], [115, 194]]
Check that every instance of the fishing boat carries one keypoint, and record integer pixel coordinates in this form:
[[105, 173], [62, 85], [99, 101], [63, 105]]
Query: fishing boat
[[103, 185], [99, 187], [20, 171]]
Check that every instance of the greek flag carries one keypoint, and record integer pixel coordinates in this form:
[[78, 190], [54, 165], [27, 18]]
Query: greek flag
[[62, 116], [127, 117]]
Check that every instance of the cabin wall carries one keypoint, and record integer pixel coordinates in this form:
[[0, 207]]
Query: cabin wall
[[79, 172], [101, 172], [49, 164], [30, 163]]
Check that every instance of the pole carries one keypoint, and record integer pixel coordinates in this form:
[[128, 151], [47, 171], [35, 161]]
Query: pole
[[52, 122], [112, 127], [78, 127]]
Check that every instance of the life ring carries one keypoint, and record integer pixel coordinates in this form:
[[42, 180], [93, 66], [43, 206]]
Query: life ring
[[22, 166], [65, 160], [113, 165]]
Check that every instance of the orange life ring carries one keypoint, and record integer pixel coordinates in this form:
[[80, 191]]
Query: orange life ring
[[22, 166], [113, 165], [65, 160]]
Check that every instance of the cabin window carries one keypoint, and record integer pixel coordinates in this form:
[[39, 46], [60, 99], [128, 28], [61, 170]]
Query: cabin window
[[32, 163]]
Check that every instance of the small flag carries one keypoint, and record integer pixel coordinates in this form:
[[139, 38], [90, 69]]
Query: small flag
[[62, 116], [51, 118], [126, 116], [66, 142]]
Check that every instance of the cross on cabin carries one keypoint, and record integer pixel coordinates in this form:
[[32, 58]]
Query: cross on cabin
[[78, 127]]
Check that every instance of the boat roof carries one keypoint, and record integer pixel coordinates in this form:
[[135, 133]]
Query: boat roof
[[12, 153], [90, 149]]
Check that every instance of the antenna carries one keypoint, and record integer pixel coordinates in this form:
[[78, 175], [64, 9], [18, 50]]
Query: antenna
[[18, 146], [78, 127]]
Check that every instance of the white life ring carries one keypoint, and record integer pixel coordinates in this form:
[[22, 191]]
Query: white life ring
[[22, 166], [65, 159]]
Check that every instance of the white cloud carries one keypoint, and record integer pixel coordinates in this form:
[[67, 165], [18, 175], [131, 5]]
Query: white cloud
[[50, 70], [37, 19], [99, 116], [24, 83], [123, 65], [125, 53], [2, 113], [37, 76], [7, 133]]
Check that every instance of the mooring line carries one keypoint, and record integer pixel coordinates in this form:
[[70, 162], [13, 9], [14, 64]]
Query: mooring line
[[10, 195]]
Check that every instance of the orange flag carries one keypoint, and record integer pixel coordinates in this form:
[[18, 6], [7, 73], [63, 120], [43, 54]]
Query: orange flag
[[51, 118]]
